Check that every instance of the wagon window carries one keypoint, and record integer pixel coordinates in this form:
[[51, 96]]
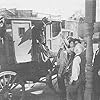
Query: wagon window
[[55, 28], [21, 31]]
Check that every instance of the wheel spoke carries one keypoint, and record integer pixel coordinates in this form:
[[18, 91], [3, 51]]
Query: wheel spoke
[[13, 81], [1, 84], [14, 86], [4, 80]]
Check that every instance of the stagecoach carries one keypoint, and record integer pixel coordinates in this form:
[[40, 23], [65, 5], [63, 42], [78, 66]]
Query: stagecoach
[[11, 75]]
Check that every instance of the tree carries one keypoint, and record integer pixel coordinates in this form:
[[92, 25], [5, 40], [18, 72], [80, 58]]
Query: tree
[[78, 16], [90, 15]]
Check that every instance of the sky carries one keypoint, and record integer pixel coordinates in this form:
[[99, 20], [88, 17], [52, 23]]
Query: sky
[[65, 8]]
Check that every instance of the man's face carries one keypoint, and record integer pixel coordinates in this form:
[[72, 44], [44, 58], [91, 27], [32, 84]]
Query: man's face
[[78, 49]]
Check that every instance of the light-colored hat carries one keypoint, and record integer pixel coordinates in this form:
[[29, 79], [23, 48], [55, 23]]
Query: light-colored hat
[[78, 49]]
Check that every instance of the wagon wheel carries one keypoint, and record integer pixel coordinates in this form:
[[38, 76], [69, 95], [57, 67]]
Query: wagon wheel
[[7, 84]]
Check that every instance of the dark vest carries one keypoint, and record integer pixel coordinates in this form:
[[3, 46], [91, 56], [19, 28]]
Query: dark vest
[[97, 61], [82, 67], [81, 80], [96, 77]]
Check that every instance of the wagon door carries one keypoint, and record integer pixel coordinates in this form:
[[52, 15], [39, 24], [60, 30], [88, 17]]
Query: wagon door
[[21, 52], [53, 38]]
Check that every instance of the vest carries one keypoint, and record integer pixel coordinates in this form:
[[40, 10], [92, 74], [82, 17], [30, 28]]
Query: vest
[[82, 67], [81, 79], [96, 77]]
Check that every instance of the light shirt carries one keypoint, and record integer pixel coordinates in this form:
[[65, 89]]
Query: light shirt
[[75, 69]]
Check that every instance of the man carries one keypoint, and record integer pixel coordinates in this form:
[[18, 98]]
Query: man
[[64, 55], [77, 79], [62, 58], [96, 74]]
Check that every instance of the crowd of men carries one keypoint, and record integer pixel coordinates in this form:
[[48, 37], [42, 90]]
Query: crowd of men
[[71, 63]]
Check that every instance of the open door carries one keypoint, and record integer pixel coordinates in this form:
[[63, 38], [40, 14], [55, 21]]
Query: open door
[[21, 52]]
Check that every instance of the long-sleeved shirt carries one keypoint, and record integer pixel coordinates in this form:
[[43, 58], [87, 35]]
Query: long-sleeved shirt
[[75, 69], [62, 61]]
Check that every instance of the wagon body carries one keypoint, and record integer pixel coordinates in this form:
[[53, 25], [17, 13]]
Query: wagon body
[[29, 71], [15, 74]]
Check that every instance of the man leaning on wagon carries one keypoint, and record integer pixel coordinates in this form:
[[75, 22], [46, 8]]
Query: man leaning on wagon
[[65, 55]]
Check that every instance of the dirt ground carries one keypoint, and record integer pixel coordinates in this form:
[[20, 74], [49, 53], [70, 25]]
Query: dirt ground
[[48, 94]]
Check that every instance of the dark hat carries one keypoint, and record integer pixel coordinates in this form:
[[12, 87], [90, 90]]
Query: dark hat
[[71, 39], [77, 40], [46, 21]]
